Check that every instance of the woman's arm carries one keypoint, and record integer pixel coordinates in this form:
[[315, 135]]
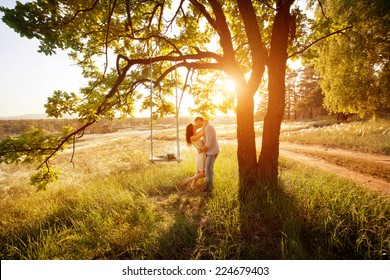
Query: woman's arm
[[200, 133], [197, 135]]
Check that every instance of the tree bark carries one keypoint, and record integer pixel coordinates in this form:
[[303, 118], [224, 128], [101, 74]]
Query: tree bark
[[246, 143], [268, 158]]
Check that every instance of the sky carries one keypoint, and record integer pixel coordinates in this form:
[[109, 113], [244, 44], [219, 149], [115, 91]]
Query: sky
[[28, 78]]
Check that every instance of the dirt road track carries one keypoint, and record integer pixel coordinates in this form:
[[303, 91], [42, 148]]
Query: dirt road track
[[291, 151]]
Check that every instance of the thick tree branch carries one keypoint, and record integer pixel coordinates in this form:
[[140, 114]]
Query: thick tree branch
[[223, 30], [63, 141], [129, 22], [255, 41], [204, 12], [145, 61]]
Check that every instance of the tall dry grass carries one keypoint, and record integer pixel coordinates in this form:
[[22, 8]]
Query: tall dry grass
[[114, 204], [371, 136]]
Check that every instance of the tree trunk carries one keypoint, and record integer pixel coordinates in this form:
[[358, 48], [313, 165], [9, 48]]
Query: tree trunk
[[246, 143], [268, 159]]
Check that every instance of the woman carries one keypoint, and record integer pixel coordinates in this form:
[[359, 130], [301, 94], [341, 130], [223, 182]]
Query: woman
[[194, 139]]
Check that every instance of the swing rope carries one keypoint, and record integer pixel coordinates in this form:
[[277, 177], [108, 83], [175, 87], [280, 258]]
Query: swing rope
[[166, 158]]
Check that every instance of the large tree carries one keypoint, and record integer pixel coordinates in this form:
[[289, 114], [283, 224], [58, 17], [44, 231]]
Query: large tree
[[354, 67], [163, 35]]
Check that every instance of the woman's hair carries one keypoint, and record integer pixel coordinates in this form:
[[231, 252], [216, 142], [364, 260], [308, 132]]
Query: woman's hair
[[189, 133]]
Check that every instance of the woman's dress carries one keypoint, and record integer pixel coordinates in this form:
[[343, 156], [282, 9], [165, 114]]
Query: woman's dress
[[201, 157]]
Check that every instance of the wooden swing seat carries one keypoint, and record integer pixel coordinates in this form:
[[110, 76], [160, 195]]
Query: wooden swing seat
[[164, 159]]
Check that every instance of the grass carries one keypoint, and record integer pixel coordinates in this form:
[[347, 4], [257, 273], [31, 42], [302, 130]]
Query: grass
[[342, 220], [114, 204], [366, 136]]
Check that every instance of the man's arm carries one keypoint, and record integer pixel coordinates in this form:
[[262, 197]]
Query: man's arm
[[210, 137]]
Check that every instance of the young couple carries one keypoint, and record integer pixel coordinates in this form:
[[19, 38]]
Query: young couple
[[205, 141]]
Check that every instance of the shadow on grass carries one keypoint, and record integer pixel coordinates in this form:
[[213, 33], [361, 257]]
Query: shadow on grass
[[180, 240], [269, 227], [275, 225]]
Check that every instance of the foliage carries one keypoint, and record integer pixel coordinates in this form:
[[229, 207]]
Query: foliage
[[311, 93], [354, 66], [61, 104], [31, 146], [304, 96]]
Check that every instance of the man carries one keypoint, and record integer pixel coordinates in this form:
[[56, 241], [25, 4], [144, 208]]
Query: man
[[211, 148]]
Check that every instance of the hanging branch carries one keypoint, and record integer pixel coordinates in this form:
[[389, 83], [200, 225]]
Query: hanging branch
[[81, 11], [158, 5], [107, 35], [175, 15], [341, 31], [184, 87], [322, 9], [63, 141]]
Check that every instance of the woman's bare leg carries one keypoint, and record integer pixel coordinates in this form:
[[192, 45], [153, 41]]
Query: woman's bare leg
[[199, 175]]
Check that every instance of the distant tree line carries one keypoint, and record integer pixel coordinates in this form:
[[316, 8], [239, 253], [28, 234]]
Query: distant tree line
[[15, 127], [304, 96]]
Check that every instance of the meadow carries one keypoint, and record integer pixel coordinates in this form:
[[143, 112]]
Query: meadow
[[112, 203]]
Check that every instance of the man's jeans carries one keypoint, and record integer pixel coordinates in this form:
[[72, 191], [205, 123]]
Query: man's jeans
[[210, 160]]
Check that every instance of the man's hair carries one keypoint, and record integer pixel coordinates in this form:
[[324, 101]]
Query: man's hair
[[199, 119]]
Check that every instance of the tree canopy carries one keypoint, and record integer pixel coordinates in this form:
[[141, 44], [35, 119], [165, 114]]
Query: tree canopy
[[354, 66]]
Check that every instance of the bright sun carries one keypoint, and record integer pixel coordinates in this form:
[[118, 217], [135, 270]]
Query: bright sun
[[230, 85]]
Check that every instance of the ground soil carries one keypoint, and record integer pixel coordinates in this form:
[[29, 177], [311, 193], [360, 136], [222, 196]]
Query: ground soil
[[291, 151]]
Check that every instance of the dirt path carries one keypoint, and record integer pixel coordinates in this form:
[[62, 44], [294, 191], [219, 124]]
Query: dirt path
[[290, 150]]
